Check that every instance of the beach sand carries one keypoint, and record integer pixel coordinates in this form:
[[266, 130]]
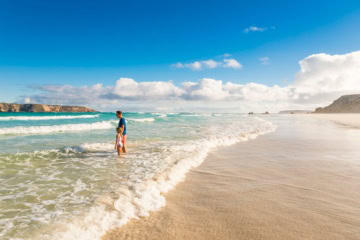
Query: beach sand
[[350, 120], [299, 182]]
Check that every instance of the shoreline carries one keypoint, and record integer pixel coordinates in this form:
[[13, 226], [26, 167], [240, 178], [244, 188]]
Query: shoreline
[[250, 191]]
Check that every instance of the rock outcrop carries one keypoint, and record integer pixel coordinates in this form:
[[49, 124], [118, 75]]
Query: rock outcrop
[[344, 104], [13, 107], [295, 112]]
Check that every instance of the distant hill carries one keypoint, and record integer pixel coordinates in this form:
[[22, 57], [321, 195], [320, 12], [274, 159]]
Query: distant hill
[[344, 104], [13, 107], [295, 112]]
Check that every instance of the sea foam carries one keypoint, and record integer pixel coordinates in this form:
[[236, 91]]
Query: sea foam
[[27, 118], [57, 128], [139, 198], [141, 119]]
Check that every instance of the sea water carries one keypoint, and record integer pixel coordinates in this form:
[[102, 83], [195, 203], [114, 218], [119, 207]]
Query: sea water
[[60, 177]]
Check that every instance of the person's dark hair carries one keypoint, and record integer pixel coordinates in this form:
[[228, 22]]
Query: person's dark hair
[[118, 112]]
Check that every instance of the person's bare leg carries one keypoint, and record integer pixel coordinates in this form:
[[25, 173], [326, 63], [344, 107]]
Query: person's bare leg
[[124, 148], [119, 150]]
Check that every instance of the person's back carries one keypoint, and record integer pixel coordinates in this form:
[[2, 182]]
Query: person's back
[[122, 122]]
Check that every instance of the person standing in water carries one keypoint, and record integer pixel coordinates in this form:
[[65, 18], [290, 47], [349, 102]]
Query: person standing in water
[[122, 126], [118, 142]]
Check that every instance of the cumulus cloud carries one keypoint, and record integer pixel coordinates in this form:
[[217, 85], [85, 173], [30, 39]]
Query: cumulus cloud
[[193, 66], [323, 73], [254, 29], [127, 88], [264, 60], [232, 63], [209, 64], [205, 89], [321, 79]]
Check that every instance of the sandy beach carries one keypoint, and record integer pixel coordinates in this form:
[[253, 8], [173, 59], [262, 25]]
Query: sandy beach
[[300, 182], [351, 120]]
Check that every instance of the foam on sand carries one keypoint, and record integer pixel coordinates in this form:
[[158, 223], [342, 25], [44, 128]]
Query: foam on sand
[[57, 128], [27, 118]]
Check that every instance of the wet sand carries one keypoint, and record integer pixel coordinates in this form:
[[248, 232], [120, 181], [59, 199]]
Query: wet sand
[[350, 119], [299, 182]]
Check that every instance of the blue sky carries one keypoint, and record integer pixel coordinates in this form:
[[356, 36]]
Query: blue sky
[[87, 42]]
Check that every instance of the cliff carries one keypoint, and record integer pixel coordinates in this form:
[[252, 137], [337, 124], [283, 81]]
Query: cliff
[[13, 107], [344, 104]]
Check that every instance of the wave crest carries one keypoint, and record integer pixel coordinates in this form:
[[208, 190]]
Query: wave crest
[[27, 118], [57, 128], [141, 119]]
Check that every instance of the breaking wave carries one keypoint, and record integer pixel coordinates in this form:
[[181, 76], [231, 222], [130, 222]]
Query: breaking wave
[[25, 118], [141, 119], [57, 128]]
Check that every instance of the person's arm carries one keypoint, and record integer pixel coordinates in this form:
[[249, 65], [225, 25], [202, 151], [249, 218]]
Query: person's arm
[[116, 140]]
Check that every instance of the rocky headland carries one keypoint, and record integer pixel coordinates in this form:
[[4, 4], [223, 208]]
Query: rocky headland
[[13, 107], [344, 104]]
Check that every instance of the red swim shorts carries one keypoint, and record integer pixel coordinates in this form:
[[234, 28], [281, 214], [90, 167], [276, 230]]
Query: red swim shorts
[[123, 140]]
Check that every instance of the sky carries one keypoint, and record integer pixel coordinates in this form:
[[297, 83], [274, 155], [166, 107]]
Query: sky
[[231, 56]]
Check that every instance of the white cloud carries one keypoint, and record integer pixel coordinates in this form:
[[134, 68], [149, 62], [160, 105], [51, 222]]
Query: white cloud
[[254, 29], [205, 89], [232, 63], [127, 88], [195, 66], [323, 73], [178, 65], [209, 64], [321, 79], [264, 60]]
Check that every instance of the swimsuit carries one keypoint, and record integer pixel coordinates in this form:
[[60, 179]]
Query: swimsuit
[[120, 142]]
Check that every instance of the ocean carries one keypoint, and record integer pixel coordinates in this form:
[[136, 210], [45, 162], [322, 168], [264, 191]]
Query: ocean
[[60, 177]]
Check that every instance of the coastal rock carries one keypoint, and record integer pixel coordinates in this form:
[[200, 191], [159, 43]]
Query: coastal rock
[[295, 112], [344, 104], [13, 107]]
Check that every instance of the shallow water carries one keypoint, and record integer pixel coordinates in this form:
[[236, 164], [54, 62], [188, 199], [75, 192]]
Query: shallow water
[[301, 181], [61, 179]]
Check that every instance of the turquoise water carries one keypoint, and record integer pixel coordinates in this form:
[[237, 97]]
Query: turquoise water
[[60, 177]]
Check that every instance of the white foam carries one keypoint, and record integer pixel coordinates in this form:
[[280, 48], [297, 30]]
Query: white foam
[[97, 147], [57, 128], [138, 199], [141, 119], [192, 115], [26, 118], [162, 115]]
